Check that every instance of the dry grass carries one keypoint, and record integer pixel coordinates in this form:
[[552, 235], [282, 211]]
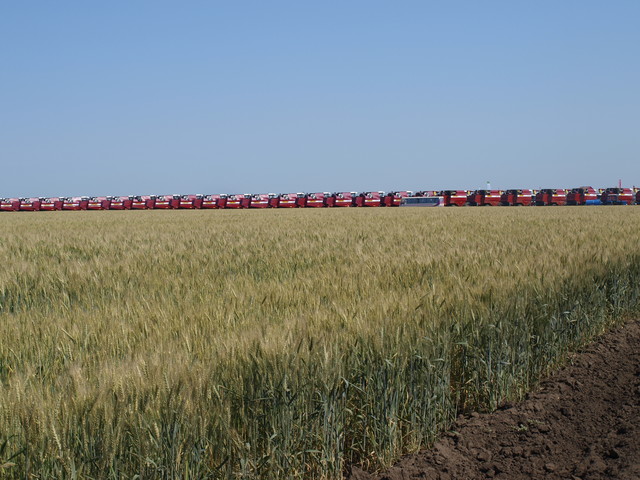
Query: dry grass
[[285, 344]]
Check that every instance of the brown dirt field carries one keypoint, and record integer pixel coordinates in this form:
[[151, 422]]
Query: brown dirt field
[[583, 422]]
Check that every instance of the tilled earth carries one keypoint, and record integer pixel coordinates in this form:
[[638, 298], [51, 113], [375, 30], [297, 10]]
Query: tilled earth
[[581, 423]]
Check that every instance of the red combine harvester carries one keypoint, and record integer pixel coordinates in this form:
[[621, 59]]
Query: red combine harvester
[[214, 201], [31, 204], [143, 202], [50, 204], [551, 196], [190, 202], [238, 201], [289, 200], [9, 204], [582, 195], [484, 198], [457, 198], [517, 197], [345, 199], [75, 203], [259, 200], [120, 203], [637, 196], [374, 199], [617, 196], [320, 199], [370, 199], [98, 203], [166, 202]]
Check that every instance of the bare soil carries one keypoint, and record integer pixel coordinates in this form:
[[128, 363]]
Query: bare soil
[[583, 422]]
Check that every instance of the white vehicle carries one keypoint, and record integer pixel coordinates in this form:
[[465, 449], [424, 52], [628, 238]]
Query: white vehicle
[[422, 202]]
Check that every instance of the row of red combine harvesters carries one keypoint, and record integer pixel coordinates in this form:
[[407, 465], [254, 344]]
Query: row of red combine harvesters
[[448, 198]]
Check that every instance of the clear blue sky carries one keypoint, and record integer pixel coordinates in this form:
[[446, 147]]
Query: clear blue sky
[[206, 97]]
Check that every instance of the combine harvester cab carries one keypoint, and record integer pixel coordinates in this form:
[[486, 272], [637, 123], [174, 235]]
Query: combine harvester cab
[[344, 199], [120, 203], [75, 203], [583, 196], [30, 204], [288, 200], [50, 204], [517, 197], [9, 204], [423, 201], [617, 196], [190, 202], [212, 201], [98, 203], [316, 200], [238, 201], [259, 200], [454, 198], [167, 202]]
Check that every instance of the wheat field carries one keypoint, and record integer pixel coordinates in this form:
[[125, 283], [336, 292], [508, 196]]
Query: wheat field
[[286, 343]]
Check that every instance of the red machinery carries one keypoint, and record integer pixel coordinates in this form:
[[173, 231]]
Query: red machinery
[[165, 202], [301, 199], [50, 203], [75, 203], [320, 199], [551, 196], [370, 199], [345, 199], [617, 196], [190, 201], [288, 200], [581, 195], [637, 196], [329, 199], [120, 203], [485, 198], [457, 198], [274, 200], [517, 197], [9, 204], [238, 201], [143, 202], [214, 201], [259, 200], [98, 203], [31, 204]]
